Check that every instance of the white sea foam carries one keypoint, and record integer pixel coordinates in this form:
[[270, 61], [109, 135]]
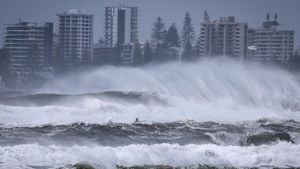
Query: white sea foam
[[281, 155], [209, 90], [99, 114]]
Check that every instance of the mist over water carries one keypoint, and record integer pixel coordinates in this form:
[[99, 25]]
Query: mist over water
[[218, 112], [209, 90]]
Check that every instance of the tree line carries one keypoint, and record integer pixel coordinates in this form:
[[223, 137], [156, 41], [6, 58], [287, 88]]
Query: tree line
[[170, 44]]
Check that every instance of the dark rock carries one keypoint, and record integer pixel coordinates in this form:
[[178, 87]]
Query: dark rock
[[147, 167], [83, 166], [283, 137], [170, 167], [267, 138]]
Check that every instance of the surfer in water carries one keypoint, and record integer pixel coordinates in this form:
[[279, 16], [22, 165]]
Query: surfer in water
[[136, 120]]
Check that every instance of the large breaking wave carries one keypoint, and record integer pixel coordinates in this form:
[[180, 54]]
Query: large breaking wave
[[209, 90]]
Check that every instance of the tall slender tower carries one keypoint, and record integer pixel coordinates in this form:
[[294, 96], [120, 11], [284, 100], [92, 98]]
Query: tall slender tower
[[75, 37], [121, 25]]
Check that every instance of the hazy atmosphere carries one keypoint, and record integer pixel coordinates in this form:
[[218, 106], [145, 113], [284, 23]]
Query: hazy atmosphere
[[149, 84], [254, 12]]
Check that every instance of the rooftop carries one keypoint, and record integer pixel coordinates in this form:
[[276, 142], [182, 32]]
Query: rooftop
[[75, 12]]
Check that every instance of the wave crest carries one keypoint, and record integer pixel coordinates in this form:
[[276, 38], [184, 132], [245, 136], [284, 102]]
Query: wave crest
[[280, 155], [209, 90]]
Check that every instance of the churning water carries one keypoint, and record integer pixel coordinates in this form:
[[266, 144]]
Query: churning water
[[215, 112]]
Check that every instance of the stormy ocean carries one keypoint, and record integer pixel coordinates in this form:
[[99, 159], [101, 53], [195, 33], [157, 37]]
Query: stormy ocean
[[213, 113]]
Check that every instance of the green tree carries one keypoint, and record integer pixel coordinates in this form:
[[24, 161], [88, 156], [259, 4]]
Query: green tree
[[148, 54], [196, 48], [172, 37], [187, 37], [158, 31], [159, 39], [187, 53], [160, 51]]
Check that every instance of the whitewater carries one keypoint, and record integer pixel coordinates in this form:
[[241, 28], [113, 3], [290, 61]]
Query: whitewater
[[216, 112]]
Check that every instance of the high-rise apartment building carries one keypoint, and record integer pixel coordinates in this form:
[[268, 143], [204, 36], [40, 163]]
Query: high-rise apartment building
[[75, 37], [271, 42], [29, 46], [223, 37], [121, 25]]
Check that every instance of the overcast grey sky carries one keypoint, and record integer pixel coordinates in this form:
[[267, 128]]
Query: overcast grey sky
[[251, 11]]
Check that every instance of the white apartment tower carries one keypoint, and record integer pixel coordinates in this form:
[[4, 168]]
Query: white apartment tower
[[75, 37], [270, 43], [121, 25], [223, 37]]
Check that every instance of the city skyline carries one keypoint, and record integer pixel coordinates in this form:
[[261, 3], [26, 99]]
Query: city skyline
[[253, 13]]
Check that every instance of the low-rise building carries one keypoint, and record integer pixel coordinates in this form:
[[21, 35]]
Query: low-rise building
[[104, 55], [127, 54], [270, 43]]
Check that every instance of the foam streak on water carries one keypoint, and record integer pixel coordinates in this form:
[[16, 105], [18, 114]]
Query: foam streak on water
[[281, 155]]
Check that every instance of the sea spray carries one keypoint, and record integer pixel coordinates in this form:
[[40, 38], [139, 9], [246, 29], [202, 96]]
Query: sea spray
[[209, 90]]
